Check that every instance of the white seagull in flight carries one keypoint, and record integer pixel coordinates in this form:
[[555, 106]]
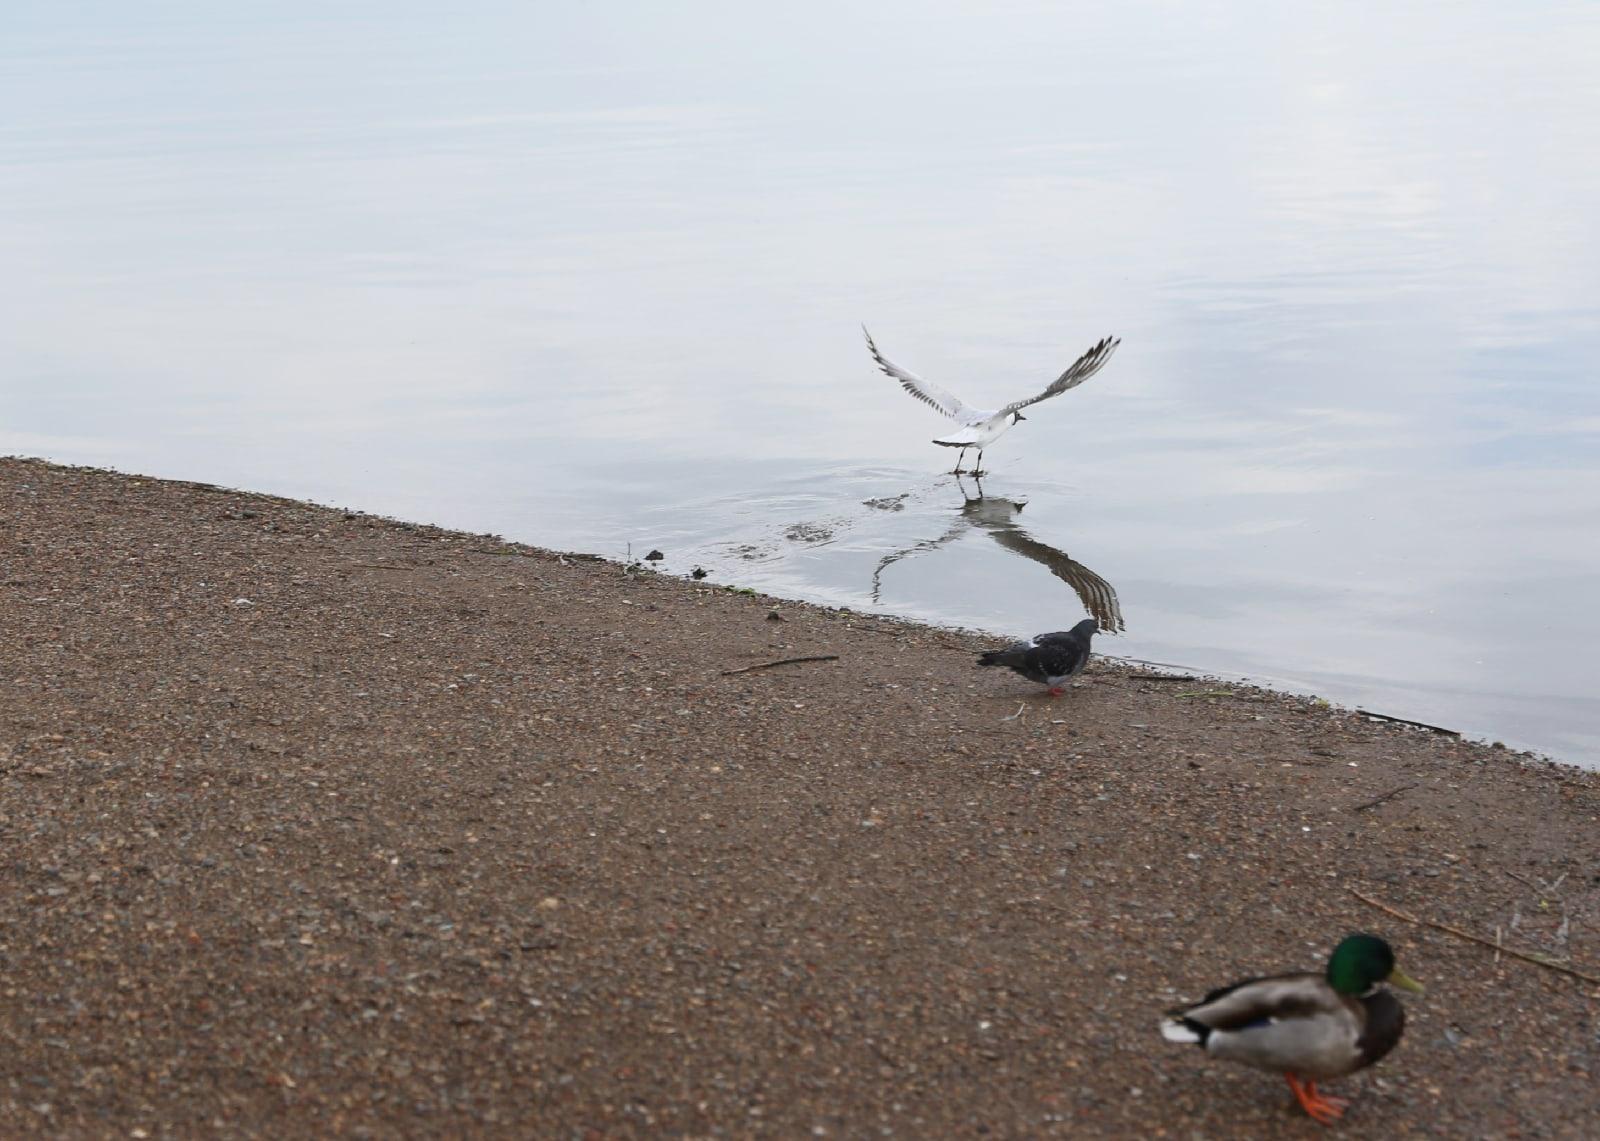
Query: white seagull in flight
[[980, 427]]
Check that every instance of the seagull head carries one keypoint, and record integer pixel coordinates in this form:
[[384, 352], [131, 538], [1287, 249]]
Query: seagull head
[[1017, 417]]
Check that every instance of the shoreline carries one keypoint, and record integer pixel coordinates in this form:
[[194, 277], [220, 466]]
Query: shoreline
[[1264, 679], [329, 823]]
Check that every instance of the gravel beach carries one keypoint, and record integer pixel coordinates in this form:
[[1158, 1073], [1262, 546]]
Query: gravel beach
[[317, 824]]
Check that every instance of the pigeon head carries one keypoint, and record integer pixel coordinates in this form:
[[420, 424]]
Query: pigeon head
[[1087, 627]]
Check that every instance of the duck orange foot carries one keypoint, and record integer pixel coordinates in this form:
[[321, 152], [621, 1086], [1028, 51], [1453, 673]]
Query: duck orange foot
[[1323, 1108]]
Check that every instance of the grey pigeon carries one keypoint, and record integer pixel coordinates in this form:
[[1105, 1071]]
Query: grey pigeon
[[1049, 659]]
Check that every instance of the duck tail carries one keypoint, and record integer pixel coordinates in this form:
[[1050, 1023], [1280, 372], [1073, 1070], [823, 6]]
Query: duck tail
[[1176, 1028]]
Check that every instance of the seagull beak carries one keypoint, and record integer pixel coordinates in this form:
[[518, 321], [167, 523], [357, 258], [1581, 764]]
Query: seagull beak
[[1404, 981]]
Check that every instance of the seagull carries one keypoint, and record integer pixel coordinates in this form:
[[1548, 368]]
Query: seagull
[[980, 428], [1049, 659]]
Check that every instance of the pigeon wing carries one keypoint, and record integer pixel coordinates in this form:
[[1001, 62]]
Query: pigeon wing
[[925, 391], [1082, 369], [1061, 653]]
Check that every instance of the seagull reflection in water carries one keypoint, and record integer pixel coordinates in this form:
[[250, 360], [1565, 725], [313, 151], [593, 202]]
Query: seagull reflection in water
[[998, 517]]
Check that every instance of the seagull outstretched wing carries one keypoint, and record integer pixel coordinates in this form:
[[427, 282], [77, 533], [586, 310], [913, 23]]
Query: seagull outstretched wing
[[927, 392], [1082, 369]]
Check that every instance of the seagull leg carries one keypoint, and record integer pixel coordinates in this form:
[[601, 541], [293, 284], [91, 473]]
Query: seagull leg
[[1323, 1109], [959, 457], [977, 468]]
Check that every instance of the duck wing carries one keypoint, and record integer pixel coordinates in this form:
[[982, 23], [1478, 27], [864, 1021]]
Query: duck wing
[[1288, 1024], [1254, 1002]]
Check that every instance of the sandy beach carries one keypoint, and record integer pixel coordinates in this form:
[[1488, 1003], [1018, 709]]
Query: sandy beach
[[318, 824]]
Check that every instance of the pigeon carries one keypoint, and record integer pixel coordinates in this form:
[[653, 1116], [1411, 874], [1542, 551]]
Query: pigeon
[[1049, 659], [980, 427]]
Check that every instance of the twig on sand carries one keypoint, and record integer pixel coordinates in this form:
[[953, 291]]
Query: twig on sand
[[1020, 710], [1493, 945], [1540, 888], [1377, 800], [1205, 693], [1163, 677], [1408, 721], [781, 662], [1524, 880]]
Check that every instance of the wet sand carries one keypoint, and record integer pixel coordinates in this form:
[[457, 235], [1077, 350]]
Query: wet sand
[[318, 824]]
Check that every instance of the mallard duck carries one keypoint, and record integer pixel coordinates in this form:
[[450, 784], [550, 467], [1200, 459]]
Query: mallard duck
[[1305, 1026]]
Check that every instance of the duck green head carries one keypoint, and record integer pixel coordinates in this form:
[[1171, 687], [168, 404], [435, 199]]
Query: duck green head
[[1361, 962]]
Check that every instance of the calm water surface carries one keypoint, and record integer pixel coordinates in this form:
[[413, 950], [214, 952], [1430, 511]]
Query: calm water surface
[[593, 276]]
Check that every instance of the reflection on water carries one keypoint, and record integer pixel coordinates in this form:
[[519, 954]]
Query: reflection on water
[[593, 275], [997, 517]]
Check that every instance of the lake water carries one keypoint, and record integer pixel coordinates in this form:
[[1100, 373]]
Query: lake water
[[593, 276]]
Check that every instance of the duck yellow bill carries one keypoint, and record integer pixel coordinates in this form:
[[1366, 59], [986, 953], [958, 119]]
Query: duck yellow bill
[[1404, 981]]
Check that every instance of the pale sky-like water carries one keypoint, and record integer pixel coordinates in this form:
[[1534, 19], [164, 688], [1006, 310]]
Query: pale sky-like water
[[594, 276]]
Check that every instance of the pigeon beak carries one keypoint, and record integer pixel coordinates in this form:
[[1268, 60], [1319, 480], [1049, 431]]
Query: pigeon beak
[[1404, 981]]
